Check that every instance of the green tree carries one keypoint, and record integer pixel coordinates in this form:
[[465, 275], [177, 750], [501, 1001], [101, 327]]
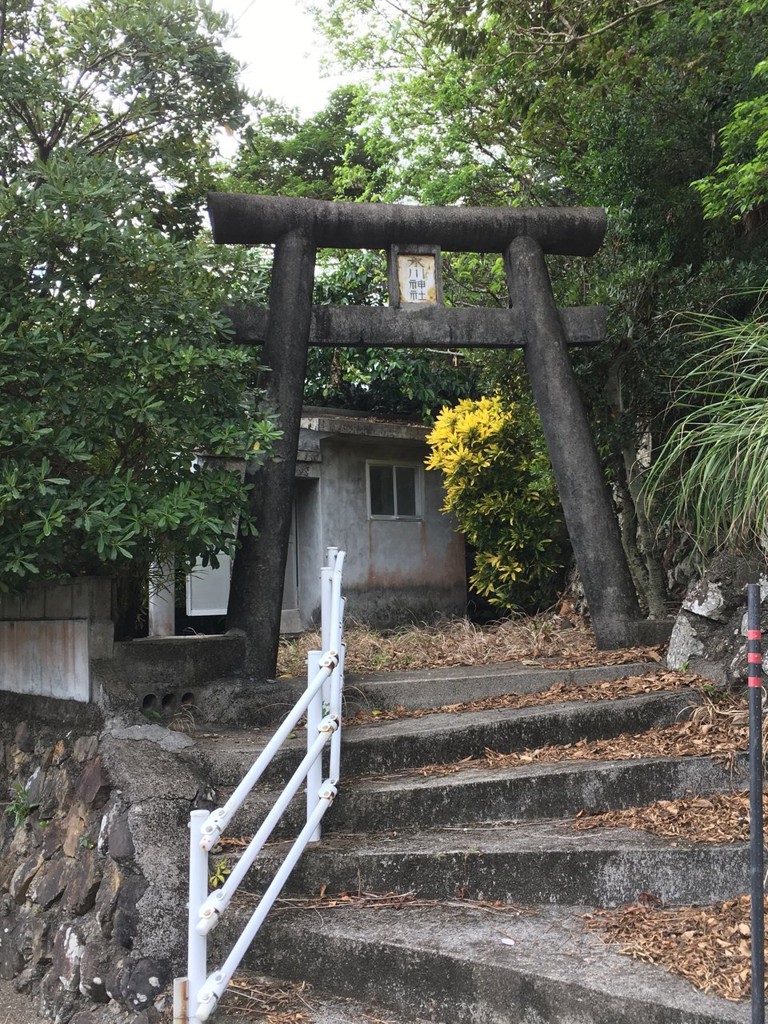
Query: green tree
[[322, 157], [115, 371], [618, 103]]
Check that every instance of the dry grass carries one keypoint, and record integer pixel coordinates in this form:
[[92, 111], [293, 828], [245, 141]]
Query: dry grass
[[540, 640], [264, 999]]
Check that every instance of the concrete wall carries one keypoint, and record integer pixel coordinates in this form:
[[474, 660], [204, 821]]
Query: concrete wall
[[50, 635], [396, 570]]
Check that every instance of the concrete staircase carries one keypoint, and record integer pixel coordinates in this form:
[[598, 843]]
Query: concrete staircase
[[495, 885]]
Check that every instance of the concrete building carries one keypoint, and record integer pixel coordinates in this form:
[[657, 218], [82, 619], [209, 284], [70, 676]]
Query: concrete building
[[361, 486]]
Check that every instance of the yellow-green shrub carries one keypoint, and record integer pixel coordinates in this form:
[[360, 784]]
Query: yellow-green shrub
[[500, 487]]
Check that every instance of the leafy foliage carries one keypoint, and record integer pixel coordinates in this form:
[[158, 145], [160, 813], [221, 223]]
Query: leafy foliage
[[323, 157], [146, 82], [112, 377], [711, 476], [115, 369], [499, 485], [625, 104]]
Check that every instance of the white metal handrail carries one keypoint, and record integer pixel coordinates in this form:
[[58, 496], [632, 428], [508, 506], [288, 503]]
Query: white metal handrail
[[197, 995]]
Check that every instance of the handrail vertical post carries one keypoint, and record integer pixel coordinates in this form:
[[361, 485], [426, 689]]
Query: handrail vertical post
[[196, 997], [314, 717], [326, 592], [326, 601], [757, 885], [197, 945]]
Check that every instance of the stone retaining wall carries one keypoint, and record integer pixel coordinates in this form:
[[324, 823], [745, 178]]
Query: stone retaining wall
[[93, 850]]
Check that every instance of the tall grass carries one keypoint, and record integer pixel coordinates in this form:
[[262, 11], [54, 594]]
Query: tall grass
[[710, 477]]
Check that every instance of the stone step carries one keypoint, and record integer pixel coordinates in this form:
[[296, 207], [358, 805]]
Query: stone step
[[528, 864], [458, 683], [527, 792], [524, 793], [459, 964], [441, 738]]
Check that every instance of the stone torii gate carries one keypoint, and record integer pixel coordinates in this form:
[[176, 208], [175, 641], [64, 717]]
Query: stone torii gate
[[298, 228]]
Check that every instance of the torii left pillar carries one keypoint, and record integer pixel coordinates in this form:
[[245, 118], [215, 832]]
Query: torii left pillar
[[256, 590]]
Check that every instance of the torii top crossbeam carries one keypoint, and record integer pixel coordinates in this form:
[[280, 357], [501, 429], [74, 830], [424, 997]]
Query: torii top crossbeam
[[255, 220]]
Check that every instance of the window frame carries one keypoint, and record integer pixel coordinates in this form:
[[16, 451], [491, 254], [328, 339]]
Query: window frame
[[418, 481]]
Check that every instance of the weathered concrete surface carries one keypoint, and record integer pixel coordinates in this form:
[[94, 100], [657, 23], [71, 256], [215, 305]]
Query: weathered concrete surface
[[93, 861], [322, 1007], [445, 737], [428, 327], [258, 571], [547, 790], [458, 683], [459, 964], [251, 219], [592, 526], [525, 793], [526, 864], [50, 634], [183, 680]]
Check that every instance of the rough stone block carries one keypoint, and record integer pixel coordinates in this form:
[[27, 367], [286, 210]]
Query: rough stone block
[[706, 599], [11, 959], [127, 917], [144, 983], [94, 968], [85, 748], [120, 841], [106, 899], [57, 794], [74, 828], [22, 737], [84, 1017], [68, 949], [24, 875], [82, 883], [93, 787], [50, 882]]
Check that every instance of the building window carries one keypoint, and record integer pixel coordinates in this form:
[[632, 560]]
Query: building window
[[394, 492]]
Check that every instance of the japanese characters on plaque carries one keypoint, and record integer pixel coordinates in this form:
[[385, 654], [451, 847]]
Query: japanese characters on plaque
[[417, 279], [414, 276]]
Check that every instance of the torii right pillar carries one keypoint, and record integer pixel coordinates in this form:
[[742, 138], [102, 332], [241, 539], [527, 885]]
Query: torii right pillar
[[592, 526]]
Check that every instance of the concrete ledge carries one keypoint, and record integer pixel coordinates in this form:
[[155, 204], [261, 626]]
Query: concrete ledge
[[457, 683]]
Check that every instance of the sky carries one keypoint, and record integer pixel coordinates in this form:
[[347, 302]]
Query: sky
[[276, 40]]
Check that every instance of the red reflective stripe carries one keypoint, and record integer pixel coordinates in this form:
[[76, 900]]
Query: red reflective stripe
[[754, 681], [755, 659], [754, 634]]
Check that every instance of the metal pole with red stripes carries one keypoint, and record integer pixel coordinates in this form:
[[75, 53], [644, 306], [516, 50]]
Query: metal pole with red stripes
[[757, 887]]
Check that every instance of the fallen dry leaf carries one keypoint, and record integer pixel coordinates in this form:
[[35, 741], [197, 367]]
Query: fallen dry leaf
[[706, 945]]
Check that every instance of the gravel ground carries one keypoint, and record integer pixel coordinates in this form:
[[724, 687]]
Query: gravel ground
[[16, 1008]]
